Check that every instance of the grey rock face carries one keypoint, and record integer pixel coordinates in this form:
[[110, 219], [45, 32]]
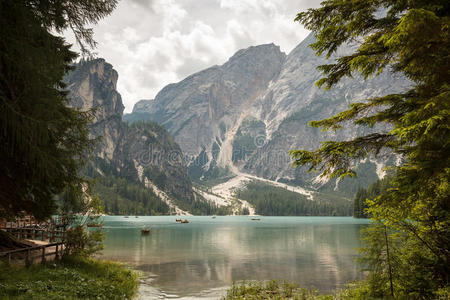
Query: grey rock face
[[200, 109], [135, 152], [93, 84], [293, 100], [277, 94]]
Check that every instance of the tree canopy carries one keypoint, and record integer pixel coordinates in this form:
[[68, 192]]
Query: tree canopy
[[410, 38], [43, 141]]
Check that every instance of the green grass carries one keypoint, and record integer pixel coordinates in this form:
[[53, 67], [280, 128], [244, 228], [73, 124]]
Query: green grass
[[268, 290], [71, 278], [275, 291]]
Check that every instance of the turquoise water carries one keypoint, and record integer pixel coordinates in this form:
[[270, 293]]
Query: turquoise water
[[204, 257]]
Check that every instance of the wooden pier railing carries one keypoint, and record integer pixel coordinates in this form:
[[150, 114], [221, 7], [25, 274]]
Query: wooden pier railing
[[36, 233], [29, 254]]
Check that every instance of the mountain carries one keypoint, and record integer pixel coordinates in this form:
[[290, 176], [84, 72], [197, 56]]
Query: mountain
[[293, 100], [240, 119], [200, 110], [138, 169]]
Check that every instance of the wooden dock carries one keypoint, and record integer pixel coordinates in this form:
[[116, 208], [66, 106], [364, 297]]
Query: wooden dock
[[43, 234], [48, 239], [30, 254]]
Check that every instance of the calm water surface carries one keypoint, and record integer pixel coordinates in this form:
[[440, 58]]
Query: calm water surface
[[202, 259]]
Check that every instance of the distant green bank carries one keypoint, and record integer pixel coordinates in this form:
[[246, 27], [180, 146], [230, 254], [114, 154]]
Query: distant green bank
[[70, 278], [269, 200]]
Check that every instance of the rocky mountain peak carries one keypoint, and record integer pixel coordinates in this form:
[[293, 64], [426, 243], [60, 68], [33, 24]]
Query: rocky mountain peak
[[256, 55], [201, 109], [142, 105], [92, 85], [248, 113]]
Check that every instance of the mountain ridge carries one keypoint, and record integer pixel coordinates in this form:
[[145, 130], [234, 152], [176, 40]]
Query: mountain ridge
[[254, 135]]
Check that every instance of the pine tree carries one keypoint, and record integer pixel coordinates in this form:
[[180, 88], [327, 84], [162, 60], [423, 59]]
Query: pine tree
[[356, 204], [411, 38], [380, 259], [43, 141]]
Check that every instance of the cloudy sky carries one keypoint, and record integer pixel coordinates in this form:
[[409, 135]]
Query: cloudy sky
[[152, 43]]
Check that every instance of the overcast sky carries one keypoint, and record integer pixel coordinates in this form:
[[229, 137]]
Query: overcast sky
[[152, 43]]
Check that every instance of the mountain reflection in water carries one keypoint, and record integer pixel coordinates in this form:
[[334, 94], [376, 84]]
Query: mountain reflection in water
[[204, 257]]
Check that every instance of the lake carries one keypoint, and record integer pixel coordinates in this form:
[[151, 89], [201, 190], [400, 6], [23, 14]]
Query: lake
[[201, 259]]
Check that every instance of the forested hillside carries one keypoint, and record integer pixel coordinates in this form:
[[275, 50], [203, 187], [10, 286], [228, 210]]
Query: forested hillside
[[138, 168], [276, 201], [359, 201]]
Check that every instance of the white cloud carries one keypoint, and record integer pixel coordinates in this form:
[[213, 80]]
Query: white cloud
[[156, 42]]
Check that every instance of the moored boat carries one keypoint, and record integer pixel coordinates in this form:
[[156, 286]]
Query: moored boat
[[95, 225]]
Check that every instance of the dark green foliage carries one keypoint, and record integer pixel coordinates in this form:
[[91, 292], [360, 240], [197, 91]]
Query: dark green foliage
[[275, 201], [213, 176], [43, 141], [412, 38], [275, 291], [118, 183], [83, 243], [359, 204], [121, 194], [401, 38], [398, 265], [250, 135], [216, 174], [243, 146], [78, 208], [245, 211], [124, 195], [359, 201], [156, 176], [159, 133], [72, 14], [71, 278], [269, 290], [39, 133], [203, 207], [196, 167], [125, 198]]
